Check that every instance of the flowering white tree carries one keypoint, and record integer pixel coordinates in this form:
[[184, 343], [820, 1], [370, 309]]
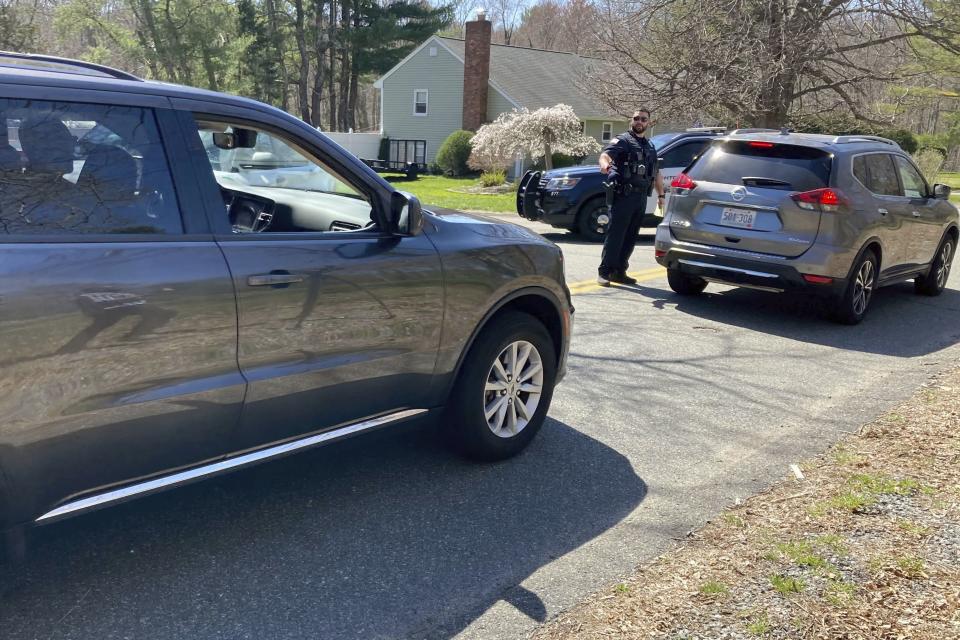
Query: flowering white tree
[[539, 133]]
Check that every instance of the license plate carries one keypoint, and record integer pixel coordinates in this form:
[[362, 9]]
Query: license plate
[[742, 218]]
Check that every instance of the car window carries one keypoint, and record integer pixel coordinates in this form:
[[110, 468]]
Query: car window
[[70, 168], [914, 185], [860, 170], [882, 175], [683, 154], [731, 161], [269, 184]]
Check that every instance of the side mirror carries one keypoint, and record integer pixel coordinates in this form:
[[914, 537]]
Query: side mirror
[[941, 191], [406, 216]]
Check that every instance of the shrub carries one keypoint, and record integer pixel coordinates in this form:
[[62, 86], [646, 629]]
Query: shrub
[[559, 160], [930, 162], [454, 152], [493, 178], [906, 140], [384, 152]]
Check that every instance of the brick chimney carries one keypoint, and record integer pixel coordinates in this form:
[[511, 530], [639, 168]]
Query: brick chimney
[[476, 71]]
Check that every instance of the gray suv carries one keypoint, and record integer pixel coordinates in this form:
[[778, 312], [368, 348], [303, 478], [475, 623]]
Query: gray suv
[[837, 216], [193, 282]]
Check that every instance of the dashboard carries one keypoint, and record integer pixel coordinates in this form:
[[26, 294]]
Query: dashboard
[[280, 210]]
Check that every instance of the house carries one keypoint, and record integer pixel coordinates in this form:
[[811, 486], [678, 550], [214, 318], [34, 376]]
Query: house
[[447, 84]]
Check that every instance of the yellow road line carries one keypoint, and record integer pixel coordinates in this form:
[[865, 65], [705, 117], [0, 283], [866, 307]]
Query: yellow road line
[[641, 276]]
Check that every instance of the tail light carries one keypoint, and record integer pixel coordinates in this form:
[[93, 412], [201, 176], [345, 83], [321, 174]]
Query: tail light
[[819, 200], [683, 181]]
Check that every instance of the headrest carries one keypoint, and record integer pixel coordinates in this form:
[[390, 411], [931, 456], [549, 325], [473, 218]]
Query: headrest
[[47, 144], [110, 172]]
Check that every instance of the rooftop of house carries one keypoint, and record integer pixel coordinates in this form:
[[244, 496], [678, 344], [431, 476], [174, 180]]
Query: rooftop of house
[[536, 78]]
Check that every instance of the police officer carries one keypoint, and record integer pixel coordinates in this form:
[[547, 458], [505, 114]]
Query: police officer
[[630, 164]]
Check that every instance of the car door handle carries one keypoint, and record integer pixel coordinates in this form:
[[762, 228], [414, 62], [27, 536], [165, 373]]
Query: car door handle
[[882, 211], [274, 279]]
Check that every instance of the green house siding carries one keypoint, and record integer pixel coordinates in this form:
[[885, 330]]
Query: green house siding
[[497, 104], [442, 77], [594, 128]]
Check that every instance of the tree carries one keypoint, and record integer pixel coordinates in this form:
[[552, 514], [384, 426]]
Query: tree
[[759, 61], [539, 134], [558, 26]]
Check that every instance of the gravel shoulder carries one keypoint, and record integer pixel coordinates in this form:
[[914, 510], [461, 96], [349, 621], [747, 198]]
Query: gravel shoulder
[[860, 542]]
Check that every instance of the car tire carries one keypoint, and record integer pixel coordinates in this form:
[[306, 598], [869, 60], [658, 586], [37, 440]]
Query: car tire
[[685, 285], [851, 307], [935, 280], [488, 382], [589, 224]]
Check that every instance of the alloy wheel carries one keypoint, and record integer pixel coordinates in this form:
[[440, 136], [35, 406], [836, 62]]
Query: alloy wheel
[[943, 271], [513, 389], [600, 220], [863, 287]]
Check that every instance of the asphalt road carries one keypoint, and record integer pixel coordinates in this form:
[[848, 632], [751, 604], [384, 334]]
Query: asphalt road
[[672, 409]]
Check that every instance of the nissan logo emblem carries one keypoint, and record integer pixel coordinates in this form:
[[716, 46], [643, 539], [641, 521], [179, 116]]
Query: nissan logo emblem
[[739, 194]]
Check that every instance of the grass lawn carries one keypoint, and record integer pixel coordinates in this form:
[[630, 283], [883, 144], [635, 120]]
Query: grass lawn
[[438, 191], [952, 179]]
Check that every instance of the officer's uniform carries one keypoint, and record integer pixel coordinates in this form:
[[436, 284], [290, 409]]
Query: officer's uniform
[[628, 152]]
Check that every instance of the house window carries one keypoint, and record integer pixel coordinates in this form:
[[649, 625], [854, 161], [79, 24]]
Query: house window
[[433, 52], [420, 102], [607, 132]]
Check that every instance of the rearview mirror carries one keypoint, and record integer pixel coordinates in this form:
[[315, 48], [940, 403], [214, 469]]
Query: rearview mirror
[[406, 216], [237, 139], [941, 191]]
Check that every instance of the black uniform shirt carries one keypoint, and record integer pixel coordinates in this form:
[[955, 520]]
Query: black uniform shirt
[[629, 146]]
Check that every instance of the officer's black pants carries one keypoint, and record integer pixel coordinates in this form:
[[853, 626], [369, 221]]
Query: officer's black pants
[[626, 215]]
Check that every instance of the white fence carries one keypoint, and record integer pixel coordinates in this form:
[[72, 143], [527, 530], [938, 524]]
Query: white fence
[[362, 145]]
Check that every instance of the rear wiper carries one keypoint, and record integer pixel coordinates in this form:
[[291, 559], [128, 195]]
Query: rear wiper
[[753, 181]]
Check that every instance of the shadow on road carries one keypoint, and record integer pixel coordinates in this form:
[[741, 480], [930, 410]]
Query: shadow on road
[[381, 536], [900, 323]]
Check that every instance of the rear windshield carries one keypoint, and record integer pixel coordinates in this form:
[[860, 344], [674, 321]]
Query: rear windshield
[[779, 166]]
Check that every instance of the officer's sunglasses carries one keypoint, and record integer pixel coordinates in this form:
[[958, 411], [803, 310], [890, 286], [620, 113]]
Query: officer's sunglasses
[[640, 118]]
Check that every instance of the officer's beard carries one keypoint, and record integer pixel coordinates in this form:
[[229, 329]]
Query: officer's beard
[[640, 128]]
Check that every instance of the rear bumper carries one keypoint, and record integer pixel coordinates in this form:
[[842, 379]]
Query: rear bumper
[[766, 273]]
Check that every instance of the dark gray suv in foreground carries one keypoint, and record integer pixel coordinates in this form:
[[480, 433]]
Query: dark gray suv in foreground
[[193, 282], [837, 216]]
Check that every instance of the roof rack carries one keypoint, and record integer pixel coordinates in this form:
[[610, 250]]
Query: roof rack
[[68, 62], [857, 138]]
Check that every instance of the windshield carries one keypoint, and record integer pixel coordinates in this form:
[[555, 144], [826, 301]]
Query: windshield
[[663, 139], [269, 163]]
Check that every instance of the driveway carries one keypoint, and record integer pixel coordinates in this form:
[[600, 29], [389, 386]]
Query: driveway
[[672, 408]]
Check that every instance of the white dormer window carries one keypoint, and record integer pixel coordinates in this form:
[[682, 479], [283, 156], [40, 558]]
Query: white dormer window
[[607, 132], [420, 102], [433, 52]]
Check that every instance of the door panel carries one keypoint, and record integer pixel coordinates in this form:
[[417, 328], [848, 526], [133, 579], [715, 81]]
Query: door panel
[[337, 320], [353, 333], [119, 329], [119, 362], [923, 212]]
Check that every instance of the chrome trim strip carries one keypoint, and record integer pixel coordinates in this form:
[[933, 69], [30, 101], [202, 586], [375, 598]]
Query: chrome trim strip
[[197, 473], [697, 263], [680, 244], [744, 286]]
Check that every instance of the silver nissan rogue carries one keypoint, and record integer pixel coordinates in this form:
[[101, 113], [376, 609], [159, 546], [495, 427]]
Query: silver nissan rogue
[[837, 216]]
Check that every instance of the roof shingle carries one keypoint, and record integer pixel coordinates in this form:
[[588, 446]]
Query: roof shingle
[[535, 78]]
